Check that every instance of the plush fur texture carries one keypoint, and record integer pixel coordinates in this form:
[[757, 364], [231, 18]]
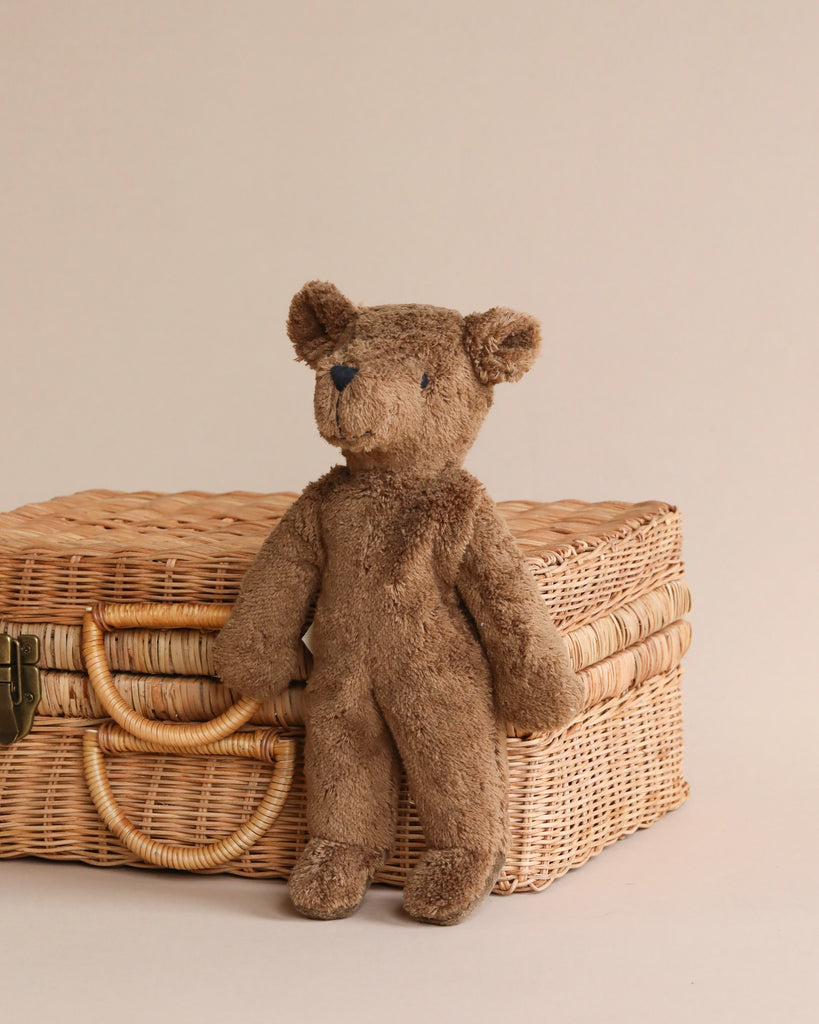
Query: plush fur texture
[[429, 633]]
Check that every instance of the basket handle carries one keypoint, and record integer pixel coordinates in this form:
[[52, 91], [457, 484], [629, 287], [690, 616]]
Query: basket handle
[[265, 745], [168, 735]]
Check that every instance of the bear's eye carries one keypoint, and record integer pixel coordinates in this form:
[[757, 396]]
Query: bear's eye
[[424, 381]]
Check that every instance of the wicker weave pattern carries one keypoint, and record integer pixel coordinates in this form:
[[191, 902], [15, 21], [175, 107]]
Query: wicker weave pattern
[[596, 576], [105, 546], [618, 768], [615, 769]]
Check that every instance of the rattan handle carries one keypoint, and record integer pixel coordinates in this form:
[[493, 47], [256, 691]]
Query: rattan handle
[[170, 735], [266, 745]]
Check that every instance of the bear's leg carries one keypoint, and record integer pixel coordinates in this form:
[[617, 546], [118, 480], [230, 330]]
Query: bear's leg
[[351, 772], [454, 753]]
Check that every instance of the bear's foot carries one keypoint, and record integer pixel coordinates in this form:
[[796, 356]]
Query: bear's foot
[[446, 885], [330, 878]]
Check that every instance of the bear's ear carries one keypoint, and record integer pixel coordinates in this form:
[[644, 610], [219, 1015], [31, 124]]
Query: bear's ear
[[318, 315], [501, 343]]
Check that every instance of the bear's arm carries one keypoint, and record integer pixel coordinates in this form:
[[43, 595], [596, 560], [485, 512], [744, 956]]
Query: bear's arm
[[535, 685], [257, 651]]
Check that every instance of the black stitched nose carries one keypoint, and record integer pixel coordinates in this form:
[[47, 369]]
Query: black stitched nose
[[342, 375]]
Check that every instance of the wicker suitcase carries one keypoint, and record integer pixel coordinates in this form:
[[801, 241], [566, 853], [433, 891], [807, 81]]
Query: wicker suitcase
[[226, 794]]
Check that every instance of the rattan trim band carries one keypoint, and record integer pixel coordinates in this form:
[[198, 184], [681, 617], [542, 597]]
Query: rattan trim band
[[188, 652], [199, 699]]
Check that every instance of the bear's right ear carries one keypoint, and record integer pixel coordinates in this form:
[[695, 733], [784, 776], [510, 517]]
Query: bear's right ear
[[318, 315], [501, 343]]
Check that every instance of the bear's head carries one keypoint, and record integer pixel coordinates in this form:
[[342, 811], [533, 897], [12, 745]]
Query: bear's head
[[405, 386]]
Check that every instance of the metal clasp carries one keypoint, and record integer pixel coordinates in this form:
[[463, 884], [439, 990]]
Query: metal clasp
[[19, 685]]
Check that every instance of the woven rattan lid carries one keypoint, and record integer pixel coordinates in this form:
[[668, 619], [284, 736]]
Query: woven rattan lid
[[58, 556]]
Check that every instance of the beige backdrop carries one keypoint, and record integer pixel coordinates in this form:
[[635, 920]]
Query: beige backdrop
[[643, 177]]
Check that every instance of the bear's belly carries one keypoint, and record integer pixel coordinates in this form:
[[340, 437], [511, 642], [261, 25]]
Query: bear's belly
[[412, 618], [388, 583]]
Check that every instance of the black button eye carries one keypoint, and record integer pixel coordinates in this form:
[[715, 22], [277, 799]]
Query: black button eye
[[424, 381]]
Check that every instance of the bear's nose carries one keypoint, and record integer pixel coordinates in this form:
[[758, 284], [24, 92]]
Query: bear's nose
[[342, 375]]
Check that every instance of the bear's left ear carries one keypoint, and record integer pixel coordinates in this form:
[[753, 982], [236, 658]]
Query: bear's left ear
[[318, 315], [501, 343]]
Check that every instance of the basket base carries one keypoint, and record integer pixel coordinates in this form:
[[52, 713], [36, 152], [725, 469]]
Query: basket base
[[616, 769]]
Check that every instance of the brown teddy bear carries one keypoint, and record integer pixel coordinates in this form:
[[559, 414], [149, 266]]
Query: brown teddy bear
[[429, 633]]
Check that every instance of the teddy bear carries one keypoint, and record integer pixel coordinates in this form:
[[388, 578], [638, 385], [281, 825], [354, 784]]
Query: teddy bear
[[428, 632]]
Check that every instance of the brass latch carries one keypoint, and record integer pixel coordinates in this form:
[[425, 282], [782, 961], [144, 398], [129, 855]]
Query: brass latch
[[19, 686]]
